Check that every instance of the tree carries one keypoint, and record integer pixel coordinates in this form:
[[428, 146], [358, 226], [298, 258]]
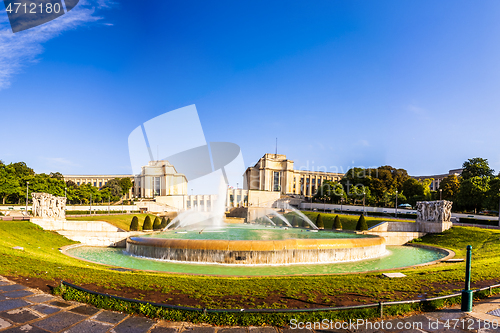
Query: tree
[[157, 223], [115, 188], [8, 181], [134, 225], [493, 194], [319, 222], [147, 224], [361, 225], [125, 184], [476, 167], [449, 187], [336, 223], [164, 222], [472, 193]]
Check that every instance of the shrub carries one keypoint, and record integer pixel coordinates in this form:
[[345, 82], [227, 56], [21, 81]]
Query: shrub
[[336, 223], [157, 223], [319, 222], [164, 222], [361, 225], [147, 224], [134, 225], [295, 221], [305, 224]]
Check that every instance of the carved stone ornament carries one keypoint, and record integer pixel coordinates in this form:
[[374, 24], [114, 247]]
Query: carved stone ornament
[[48, 206]]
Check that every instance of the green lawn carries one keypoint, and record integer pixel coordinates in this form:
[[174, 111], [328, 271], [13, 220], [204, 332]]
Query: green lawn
[[41, 259], [120, 221], [348, 221]]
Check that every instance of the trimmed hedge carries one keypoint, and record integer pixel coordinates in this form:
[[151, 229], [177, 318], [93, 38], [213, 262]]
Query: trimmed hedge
[[157, 223], [361, 224], [319, 222], [134, 225], [336, 223], [147, 224]]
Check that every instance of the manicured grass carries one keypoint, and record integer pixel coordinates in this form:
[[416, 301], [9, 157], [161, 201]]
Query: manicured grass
[[120, 221], [42, 259], [348, 221]]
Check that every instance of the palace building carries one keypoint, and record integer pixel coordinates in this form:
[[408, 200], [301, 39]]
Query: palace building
[[274, 172]]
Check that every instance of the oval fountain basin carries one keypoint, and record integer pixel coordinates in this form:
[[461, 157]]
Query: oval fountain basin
[[258, 246]]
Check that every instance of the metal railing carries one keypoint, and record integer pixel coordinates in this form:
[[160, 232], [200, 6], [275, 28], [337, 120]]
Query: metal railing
[[380, 305]]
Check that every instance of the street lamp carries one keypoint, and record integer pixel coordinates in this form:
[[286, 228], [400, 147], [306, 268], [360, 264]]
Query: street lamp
[[364, 196], [65, 198], [341, 201], [396, 203], [27, 188], [440, 194], [90, 209]]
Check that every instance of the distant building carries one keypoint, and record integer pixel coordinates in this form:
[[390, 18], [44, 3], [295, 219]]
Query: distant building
[[274, 172], [159, 178], [98, 181], [434, 186]]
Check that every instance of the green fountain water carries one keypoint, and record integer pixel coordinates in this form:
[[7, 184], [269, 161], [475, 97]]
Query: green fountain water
[[394, 257]]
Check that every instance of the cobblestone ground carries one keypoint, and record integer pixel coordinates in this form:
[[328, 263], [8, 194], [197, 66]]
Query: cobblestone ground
[[28, 310]]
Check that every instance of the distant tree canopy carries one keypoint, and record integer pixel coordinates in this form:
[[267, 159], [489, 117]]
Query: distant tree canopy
[[14, 178]]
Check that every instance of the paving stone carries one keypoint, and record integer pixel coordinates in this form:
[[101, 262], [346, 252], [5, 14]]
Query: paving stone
[[25, 329], [4, 324], [59, 321], [253, 329], [12, 304], [11, 287], [89, 326], [60, 304], [85, 310], [110, 317], [3, 283], [333, 331], [199, 329], [45, 309], [232, 330], [289, 330], [39, 298], [134, 325], [21, 316], [16, 294], [163, 329]]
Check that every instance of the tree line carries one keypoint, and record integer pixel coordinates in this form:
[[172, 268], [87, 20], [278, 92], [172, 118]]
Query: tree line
[[14, 178], [477, 188]]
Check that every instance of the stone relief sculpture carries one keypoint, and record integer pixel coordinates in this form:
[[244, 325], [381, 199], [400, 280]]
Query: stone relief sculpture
[[48, 206], [434, 211]]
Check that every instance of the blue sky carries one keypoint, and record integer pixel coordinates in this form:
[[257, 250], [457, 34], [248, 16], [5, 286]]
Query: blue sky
[[412, 84]]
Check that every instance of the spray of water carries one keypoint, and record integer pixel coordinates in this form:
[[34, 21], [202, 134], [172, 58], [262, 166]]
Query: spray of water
[[194, 216]]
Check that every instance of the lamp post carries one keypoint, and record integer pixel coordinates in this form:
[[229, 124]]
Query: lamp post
[[90, 209], [364, 196], [27, 188], [65, 198], [109, 202], [440, 194], [396, 203], [499, 208], [341, 201]]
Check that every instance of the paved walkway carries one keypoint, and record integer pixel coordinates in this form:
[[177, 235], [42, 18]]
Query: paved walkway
[[28, 310]]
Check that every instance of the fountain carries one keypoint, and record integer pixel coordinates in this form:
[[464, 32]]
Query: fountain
[[250, 245]]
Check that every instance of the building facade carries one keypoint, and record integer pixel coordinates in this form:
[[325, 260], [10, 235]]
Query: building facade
[[274, 172], [159, 178], [434, 186], [98, 181]]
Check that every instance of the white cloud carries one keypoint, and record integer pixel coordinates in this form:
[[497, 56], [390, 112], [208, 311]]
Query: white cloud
[[19, 49]]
